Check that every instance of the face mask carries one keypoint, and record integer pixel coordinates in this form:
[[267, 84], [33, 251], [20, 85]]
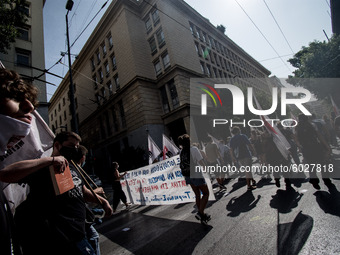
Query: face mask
[[70, 153], [83, 164], [11, 131]]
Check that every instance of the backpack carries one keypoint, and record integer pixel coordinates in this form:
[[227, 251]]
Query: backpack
[[185, 165]]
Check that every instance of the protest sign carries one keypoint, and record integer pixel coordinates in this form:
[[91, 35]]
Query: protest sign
[[159, 184]]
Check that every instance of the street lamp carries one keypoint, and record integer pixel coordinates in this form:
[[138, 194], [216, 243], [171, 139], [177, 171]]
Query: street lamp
[[74, 123]]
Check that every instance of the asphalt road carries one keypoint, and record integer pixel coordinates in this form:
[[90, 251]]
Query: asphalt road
[[268, 220]]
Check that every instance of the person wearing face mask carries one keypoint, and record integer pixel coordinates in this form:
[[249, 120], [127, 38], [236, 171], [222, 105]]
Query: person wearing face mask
[[50, 224], [17, 101]]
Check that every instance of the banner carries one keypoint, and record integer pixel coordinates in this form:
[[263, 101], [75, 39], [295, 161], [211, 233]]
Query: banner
[[37, 144], [169, 148], [159, 184], [154, 151]]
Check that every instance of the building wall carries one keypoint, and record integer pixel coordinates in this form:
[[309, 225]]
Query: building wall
[[155, 58], [33, 48]]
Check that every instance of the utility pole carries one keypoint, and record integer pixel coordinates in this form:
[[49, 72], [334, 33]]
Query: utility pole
[[74, 122]]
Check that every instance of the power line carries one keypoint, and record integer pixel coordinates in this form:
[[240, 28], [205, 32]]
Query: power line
[[276, 57], [262, 35], [278, 26], [89, 23]]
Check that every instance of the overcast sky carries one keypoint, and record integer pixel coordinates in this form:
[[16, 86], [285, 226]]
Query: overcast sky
[[271, 31]]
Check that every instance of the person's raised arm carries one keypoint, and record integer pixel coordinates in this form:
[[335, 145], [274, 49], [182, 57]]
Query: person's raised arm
[[19, 170]]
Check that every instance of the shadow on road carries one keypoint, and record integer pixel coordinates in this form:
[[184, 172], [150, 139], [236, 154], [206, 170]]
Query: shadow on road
[[329, 202], [242, 204], [142, 234], [292, 236], [285, 200]]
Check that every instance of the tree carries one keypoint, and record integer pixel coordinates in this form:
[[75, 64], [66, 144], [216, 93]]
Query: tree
[[318, 60], [12, 16]]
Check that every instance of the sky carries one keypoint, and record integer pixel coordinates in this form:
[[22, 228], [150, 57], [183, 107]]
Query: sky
[[271, 31]]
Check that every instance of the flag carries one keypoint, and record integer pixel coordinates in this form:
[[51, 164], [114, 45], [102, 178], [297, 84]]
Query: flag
[[37, 144], [278, 138], [169, 148], [154, 150], [335, 107]]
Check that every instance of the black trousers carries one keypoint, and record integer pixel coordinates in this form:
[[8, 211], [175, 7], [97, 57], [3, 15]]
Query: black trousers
[[118, 194]]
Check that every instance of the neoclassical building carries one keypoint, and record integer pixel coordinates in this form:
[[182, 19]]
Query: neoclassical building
[[132, 77]]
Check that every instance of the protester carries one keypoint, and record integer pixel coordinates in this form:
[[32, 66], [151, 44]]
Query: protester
[[331, 130], [275, 158], [256, 140], [315, 149], [292, 140], [91, 233], [190, 157], [214, 158], [57, 222], [241, 149], [17, 101], [118, 193], [337, 125]]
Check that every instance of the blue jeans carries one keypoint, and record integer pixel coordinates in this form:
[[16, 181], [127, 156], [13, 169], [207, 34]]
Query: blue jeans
[[85, 247], [93, 238]]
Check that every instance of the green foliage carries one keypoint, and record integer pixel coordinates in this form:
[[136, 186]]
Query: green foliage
[[11, 16], [318, 60]]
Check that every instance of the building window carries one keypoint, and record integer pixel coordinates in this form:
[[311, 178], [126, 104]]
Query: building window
[[23, 57], [109, 39], [192, 28], [114, 63], [148, 25], [93, 66], [64, 101], [51, 117], [98, 57], [215, 72], [116, 79], [104, 49], [166, 60], [103, 93], [64, 115], [153, 46], [107, 69], [95, 82], [204, 37], [101, 75], [173, 94], [25, 9], [165, 102], [114, 118], [197, 49], [122, 114], [158, 69], [24, 33], [59, 107], [109, 86], [160, 38], [208, 71], [155, 17], [97, 99], [202, 67], [198, 33]]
